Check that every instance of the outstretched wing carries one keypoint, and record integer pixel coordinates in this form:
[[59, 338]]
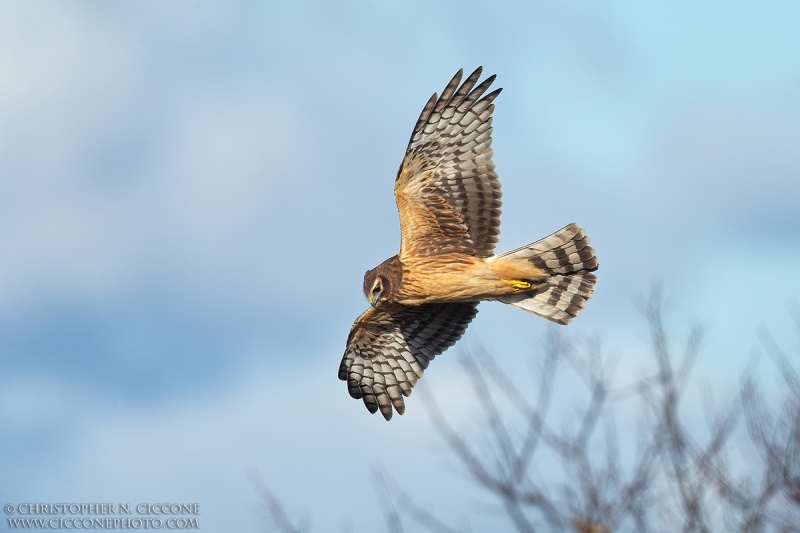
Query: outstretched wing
[[389, 347], [446, 190]]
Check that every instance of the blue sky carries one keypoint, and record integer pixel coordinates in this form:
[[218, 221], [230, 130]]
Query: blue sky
[[190, 193]]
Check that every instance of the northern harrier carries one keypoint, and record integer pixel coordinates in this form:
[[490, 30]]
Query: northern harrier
[[423, 299]]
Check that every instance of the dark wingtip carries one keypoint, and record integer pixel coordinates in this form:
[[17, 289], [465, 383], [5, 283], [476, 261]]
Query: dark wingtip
[[354, 389], [372, 405]]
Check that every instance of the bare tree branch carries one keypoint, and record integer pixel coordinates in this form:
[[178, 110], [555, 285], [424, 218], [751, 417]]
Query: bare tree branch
[[274, 510], [588, 476]]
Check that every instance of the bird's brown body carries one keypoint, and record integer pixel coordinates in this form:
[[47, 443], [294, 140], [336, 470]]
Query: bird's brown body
[[423, 299], [457, 277]]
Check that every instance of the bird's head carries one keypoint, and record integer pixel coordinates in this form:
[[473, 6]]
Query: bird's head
[[376, 286], [381, 283]]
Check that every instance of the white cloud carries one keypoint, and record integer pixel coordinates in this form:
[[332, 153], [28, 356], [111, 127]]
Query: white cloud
[[312, 444], [76, 93]]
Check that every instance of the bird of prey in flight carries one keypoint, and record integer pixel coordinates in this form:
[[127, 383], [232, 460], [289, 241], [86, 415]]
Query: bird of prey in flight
[[423, 298]]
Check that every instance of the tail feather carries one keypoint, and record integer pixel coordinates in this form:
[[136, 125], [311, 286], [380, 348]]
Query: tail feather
[[566, 250], [560, 299], [568, 258]]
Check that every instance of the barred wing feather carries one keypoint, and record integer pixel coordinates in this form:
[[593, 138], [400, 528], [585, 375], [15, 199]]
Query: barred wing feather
[[447, 190], [389, 347]]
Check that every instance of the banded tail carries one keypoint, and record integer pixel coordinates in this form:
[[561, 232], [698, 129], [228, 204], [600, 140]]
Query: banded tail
[[568, 258]]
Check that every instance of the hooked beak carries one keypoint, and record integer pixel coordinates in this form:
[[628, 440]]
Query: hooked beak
[[372, 302]]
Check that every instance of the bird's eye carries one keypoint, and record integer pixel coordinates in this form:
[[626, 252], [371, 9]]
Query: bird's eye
[[377, 289]]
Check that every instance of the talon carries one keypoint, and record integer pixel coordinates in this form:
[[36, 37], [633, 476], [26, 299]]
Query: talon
[[518, 284]]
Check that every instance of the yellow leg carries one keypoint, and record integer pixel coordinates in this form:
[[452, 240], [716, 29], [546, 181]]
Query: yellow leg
[[518, 284]]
